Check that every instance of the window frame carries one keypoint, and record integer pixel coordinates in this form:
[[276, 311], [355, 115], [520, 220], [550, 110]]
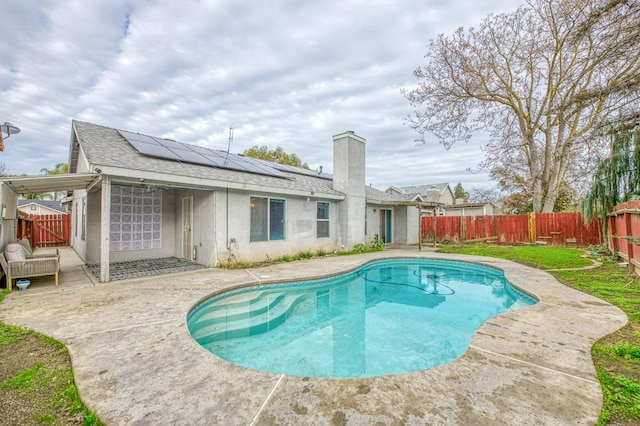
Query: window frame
[[268, 222], [323, 220]]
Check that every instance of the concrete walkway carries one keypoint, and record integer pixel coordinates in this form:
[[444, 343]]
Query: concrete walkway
[[135, 362]]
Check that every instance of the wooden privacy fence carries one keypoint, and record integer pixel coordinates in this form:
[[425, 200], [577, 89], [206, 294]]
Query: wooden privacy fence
[[558, 229], [624, 233], [50, 230]]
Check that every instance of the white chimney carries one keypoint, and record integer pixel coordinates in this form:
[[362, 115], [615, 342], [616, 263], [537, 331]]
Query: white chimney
[[349, 178]]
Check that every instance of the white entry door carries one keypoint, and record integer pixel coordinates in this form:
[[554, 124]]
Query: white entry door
[[187, 228]]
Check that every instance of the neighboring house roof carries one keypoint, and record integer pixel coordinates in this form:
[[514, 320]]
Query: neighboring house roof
[[106, 147], [468, 205], [375, 196], [50, 204], [420, 189]]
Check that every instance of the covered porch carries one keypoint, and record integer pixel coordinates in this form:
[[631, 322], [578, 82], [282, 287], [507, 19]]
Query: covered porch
[[75, 274], [98, 187]]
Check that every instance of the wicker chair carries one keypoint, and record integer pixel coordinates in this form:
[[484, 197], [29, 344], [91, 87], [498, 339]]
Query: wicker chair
[[31, 266]]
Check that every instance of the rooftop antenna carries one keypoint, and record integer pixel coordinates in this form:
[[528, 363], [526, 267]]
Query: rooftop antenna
[[9, 129], [229, 145]]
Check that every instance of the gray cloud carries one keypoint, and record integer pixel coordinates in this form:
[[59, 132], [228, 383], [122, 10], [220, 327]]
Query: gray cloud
[[283, 73]]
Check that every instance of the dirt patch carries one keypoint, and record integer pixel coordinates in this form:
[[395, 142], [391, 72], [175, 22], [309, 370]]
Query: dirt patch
[[33, 405]]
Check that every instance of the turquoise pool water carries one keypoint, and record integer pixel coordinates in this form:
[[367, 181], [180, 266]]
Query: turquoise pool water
[[388, 317]]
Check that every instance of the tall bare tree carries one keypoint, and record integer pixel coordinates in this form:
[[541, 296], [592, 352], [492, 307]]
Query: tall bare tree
[[542, 81]]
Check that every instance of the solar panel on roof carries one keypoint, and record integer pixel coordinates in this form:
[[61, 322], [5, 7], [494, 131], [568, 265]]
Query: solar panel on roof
[[193, 157], [138, 137], [215, 160], [176, 151], [289, 169], [152, 149]]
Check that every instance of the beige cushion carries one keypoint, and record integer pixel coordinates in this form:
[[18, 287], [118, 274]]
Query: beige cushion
[[27, 246], [14, 251]]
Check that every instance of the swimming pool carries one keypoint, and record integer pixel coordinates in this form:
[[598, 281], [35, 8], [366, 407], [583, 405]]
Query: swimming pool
[[387, 317]]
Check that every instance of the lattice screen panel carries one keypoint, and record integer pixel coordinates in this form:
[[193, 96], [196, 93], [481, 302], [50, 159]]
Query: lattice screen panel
[[136, 218]]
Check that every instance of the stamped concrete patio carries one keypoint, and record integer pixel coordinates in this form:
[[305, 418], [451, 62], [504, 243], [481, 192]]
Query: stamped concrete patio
[[135, 362]]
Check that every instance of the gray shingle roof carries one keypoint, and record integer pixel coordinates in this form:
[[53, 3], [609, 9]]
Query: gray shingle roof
[[52, 204], [374, 195], [422, 189], [104, 146]]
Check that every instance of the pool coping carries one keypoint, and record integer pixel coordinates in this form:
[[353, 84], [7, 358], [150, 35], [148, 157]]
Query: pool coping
[[135, 362]]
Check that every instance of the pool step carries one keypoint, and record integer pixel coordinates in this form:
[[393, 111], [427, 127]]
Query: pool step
[[235, 310], [211, 330], [243, 305]]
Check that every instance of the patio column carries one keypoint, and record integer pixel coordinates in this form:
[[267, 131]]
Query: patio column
[[8, 215], [105, 228]]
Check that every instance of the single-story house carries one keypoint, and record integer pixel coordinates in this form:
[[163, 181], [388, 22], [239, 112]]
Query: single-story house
[[449, 206], [440, 193], [40, 207], [137, 196]]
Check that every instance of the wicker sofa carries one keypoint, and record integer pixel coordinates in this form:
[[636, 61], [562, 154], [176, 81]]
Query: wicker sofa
[[34, 265]]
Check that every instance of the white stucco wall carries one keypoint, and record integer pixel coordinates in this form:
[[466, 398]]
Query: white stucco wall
[[79, 244], [447, 196], [373, 222], [405, 226], [79, 199], [203, 227], [300, 228]]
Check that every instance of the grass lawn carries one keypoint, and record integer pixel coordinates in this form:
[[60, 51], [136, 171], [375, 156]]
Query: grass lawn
[[36, 380], [617, 356]]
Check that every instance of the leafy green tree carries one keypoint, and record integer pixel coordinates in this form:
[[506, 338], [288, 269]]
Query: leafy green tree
[[459, 192], [517, 203], [39, 196], [540, 81], [275, 155], [58, 169]]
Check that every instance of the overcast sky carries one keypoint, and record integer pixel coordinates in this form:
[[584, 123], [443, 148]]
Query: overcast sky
[[286, 73]]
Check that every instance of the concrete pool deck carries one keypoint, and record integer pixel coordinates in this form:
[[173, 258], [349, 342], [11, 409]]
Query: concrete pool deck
[[135, 363]]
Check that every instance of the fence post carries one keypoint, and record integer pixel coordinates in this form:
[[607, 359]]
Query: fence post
[[495, 227], [463, 228], [612, 238], [630, 242], [532, 227], [435, 228]]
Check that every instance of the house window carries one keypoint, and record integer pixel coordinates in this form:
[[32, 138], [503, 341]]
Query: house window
[[136, 218], [322, 218], [267, 219]]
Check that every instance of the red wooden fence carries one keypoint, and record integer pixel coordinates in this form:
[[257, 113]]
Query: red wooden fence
[[51, 230], [624, 233], [514, 229], [557, 229]]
